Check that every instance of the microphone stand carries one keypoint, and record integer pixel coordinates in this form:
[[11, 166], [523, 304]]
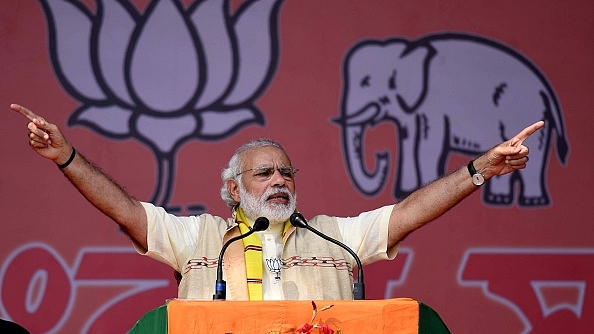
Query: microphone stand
[[298, 220], [220, 285]]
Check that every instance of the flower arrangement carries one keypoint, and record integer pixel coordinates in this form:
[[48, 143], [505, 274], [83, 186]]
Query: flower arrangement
[[308, 327]]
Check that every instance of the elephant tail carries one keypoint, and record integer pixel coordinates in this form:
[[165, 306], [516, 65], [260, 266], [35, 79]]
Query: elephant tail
[[554, 115], [562, 149]]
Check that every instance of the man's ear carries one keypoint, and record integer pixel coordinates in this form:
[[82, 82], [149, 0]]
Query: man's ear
[[233, 189]]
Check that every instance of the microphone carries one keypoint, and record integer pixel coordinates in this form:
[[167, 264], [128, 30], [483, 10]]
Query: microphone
[[221, 286], [297, 220]]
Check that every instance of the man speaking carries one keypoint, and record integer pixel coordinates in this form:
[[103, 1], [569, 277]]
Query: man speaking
[[282, 261]]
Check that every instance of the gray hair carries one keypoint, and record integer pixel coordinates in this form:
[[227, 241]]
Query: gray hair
[[234, 166]]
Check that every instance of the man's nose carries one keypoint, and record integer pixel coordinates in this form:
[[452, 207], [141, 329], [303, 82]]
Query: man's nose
[[277, 179]]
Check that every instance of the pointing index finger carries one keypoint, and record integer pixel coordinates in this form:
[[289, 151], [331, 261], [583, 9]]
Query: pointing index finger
[[24, 111], [527, 132]]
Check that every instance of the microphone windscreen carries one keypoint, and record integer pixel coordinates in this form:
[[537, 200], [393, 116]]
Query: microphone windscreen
[[261, 224], [297, 220]]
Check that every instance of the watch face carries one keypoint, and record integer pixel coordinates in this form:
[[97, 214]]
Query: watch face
[[478, 179]]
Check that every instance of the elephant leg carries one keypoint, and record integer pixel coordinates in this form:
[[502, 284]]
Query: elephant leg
[[533, 191], [407, 173], [433, 160], [499, 190], [422, 156]]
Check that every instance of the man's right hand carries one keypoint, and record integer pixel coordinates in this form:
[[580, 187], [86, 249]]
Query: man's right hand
[[44, 137], [98, 188]]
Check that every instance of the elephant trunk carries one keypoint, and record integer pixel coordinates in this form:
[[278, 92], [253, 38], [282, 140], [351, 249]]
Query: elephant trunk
[[367, 182]]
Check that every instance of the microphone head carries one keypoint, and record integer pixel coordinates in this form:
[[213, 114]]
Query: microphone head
[[297, 220], [261, 224]]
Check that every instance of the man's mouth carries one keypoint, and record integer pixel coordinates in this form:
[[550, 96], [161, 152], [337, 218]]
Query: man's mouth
[[281, 198]]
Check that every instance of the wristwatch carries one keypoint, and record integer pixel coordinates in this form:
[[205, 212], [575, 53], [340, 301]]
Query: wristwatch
[[477, 178]]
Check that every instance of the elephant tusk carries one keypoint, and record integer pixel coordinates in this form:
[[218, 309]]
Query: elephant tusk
[[362, 117]]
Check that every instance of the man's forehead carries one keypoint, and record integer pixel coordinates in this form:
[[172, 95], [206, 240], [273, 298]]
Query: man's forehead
[[264, 156]]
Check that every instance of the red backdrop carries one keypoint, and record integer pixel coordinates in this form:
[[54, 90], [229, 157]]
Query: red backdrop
[[485, 269]]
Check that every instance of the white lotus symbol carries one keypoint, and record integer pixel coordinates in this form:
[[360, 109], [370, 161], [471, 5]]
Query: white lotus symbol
[[165, 76]]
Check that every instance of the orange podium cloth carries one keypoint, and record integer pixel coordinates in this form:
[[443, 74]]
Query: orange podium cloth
[[400, 315]]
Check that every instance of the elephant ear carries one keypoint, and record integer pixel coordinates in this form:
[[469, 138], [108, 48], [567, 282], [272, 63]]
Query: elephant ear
[[413, 75]]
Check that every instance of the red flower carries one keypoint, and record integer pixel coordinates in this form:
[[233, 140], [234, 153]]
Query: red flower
[[325, 329], [305, 328]]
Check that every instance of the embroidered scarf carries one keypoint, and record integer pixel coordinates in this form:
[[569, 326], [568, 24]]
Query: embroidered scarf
[[252, 246]]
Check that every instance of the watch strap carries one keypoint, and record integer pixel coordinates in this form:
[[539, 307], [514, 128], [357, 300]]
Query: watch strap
[[471, 168]]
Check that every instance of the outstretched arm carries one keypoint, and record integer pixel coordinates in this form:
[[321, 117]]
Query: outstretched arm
[[433, 200], [48, 141]]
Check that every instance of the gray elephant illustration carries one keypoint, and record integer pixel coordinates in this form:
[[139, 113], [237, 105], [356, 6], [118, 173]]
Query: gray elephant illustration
[[447, 93]]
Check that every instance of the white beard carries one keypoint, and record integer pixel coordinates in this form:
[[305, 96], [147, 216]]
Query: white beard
[[254, 207]]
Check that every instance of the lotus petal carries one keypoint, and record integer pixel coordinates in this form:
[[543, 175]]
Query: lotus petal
[[164, 70], [69, 27], [211, 21], [257, 41], [118, 21], [166, 133], [110, 121], [218, 124]]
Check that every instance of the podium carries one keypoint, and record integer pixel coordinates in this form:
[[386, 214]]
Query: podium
[[398, 315]]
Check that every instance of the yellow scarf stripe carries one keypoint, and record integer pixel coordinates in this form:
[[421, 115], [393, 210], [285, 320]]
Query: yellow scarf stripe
[[253, 258], [252, 246]]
